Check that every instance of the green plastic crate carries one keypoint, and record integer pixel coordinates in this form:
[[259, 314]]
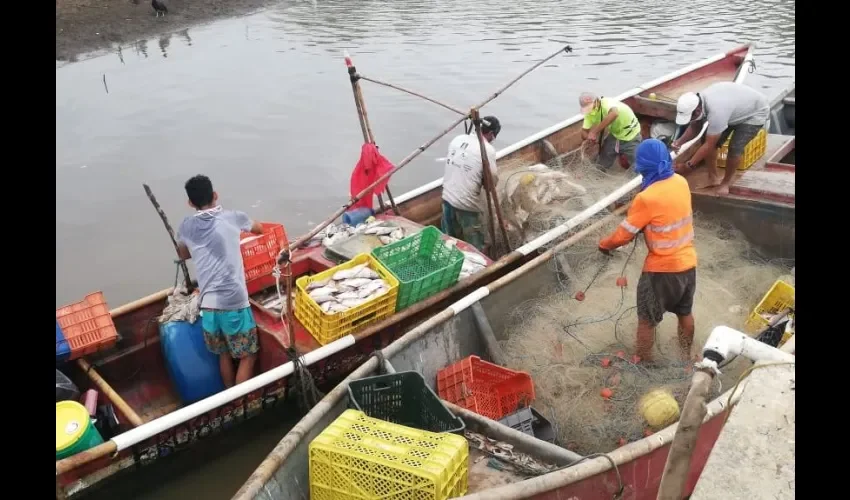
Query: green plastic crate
[[422, 263], [403, 398]]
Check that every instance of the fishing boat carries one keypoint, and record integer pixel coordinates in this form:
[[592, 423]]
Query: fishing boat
[[471, 326], [152, 422]]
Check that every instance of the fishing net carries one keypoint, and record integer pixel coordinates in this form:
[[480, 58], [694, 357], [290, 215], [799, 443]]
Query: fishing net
[[580, 352]]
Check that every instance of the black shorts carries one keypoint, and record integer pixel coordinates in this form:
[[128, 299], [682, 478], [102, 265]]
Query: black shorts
[[742, 134], [658, 293]]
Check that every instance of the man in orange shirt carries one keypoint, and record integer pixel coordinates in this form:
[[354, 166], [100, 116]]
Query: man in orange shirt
[[662, 211]]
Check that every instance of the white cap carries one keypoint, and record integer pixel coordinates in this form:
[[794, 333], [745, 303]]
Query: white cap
[[586, 100], [685, 107]]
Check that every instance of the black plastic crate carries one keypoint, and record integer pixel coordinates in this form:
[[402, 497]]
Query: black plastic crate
[[403, 398], [531, 422]]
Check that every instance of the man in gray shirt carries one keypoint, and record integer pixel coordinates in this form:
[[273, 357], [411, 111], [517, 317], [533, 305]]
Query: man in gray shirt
[[730, 108], [211, 237]]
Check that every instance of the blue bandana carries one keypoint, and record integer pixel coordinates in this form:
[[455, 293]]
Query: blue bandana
[[653, 162]]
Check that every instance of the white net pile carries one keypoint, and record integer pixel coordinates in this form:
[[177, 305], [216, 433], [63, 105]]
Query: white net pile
[[580, 352]]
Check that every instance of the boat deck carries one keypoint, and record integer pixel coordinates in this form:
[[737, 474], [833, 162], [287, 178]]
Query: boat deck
[[483, 477], [770, 179], [754, 457]]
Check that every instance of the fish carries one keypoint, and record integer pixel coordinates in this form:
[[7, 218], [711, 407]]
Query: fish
[[351, 294], [371, 287], [374, 293], [336, 307], [318, 284], [386, 240], [347, 273], [366, 273], [379, 230], [397, 234], [355, 283], [323, 294], [353, 302]]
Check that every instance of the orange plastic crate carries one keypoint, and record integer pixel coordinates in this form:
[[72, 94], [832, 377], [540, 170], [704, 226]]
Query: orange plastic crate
[[487, 389], [260, 253], [87, 325]]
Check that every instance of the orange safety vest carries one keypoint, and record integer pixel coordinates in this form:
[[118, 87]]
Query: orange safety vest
[[663, 212]]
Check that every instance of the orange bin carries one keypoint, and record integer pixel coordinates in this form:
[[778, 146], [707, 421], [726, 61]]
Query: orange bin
[[259, 252], [87, 325], [487, 389]]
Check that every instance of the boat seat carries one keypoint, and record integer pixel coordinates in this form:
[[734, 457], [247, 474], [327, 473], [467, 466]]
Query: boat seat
[[653, 107]]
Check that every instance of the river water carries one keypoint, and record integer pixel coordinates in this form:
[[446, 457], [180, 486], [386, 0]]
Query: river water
[[262, 104]]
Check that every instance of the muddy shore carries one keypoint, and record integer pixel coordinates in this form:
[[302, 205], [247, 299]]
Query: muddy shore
[[88, 25]]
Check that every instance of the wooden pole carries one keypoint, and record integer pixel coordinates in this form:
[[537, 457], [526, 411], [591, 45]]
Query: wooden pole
[[368, 135], [489, 185], [110, 393], [410, 157], [161, 212]]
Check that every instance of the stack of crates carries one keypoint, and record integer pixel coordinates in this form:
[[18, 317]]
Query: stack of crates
[[259, 252], [362, 458], [84, 327], [753, 151], [485, 388]]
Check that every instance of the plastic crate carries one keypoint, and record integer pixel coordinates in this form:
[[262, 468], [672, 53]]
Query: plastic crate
[[422, 263], [87, 326], [260, 252], [520, 420], [361, 458], [487, 389], [403, 398], [327, 327], [752, 151], [543, 429], [777, 299]]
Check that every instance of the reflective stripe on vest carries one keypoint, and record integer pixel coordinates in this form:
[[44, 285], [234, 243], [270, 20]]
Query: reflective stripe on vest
[[665, 244], [672, 226], [628, 227]]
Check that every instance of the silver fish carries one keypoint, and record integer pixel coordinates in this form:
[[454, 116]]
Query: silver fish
[[397, 234], [376, 293], [336, 307], [365, 290], [353, 302], [355, 283], [351, 294], [379, 230], [474, 257], [386, 240], [347, 273], [366, 273], [323, 298], [323, 294], [318, 284]]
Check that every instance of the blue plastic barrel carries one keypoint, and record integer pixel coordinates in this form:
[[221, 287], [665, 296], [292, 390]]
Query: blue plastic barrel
[[356, 216], [193, 369], [63, 350]]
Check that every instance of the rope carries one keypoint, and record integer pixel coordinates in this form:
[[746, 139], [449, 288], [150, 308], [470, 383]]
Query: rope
[[619, 493]]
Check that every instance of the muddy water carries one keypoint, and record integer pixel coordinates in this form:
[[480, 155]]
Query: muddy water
[[262, 105]]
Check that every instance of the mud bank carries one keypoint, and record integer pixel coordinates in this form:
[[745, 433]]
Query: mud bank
[[88, 25]]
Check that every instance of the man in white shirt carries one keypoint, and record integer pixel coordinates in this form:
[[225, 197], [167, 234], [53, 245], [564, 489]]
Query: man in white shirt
[[462, 183]]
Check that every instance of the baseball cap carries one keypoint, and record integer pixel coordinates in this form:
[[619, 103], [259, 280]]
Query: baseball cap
[[585, 102], [685, 107], [491, 124]]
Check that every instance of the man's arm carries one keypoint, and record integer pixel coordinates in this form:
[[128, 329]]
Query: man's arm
[[637, 218], [183, 251], [703, 151], [689, 134], [608, 120]]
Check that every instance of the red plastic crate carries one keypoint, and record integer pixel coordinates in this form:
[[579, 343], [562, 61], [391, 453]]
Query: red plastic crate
[[87, 325], [259, 254], [487, 389]]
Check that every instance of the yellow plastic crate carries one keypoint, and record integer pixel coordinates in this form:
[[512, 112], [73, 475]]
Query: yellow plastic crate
[[363, 458], [327, 327], [752, 152], [778, 298]]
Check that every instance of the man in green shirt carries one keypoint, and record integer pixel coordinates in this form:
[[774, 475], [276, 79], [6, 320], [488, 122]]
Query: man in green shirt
[[603, 114]]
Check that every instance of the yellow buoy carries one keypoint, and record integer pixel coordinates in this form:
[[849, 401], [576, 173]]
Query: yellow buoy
[[526, 179], [652, 96], [659, 408]]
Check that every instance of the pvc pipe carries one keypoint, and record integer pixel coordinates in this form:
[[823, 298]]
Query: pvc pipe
[[726, 342], [150, 429]]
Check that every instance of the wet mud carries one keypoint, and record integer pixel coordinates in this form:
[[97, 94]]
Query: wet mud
[[84, 26]]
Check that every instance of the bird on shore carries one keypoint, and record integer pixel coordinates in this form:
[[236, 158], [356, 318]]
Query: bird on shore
[[159, 7]]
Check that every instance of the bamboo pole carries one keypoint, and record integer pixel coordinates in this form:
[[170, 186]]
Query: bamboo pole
[[368, 135], [161, 212], [307, 237], [110, 393], [416, 94], [489, 185]]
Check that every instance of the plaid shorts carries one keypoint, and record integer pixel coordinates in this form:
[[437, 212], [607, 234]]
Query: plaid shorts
[[658, 293], [230, 331]]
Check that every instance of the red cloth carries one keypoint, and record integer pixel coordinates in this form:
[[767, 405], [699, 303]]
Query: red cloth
[[369, 168]]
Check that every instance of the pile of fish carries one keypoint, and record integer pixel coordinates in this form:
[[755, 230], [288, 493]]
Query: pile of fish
[[347, 288], [472, 262], [521, 462], [386, 232]]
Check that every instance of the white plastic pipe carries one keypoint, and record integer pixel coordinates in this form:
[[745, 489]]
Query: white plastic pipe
[[728, 342], [150, 429]]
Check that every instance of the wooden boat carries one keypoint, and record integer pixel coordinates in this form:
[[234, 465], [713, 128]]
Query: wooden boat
[[154, 423], [469, 327]]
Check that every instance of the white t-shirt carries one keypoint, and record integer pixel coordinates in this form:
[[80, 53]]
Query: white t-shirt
[[463, 178]]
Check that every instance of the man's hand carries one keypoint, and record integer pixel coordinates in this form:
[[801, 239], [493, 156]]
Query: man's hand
[[593, 136], [674, 146]]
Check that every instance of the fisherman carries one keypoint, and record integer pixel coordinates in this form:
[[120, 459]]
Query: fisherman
[[462, 183], [731, 109], [604, 114], [662, 211], [211, 236]]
